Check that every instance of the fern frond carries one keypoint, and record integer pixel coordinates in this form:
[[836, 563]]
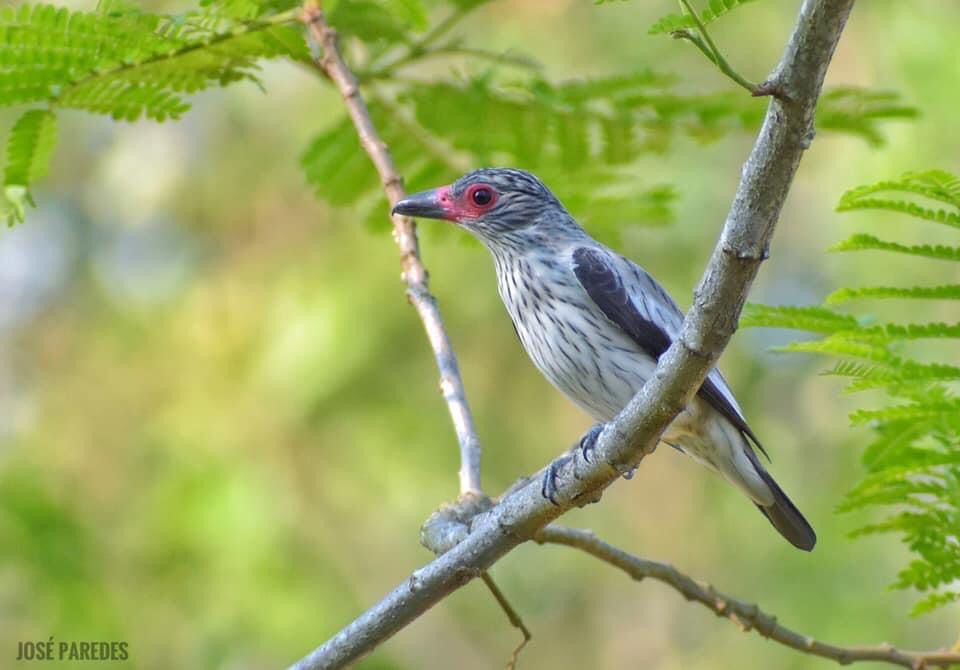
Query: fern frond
[[341, 174], [811, 319], [895, 371], [713, 11], [892, 440], [947, 411], [936, 185], [857, 111], [905, 207], [845, 368], [863, 242], [29, 149], [126, 63], [891, 332], [945, 292], [841, 345]]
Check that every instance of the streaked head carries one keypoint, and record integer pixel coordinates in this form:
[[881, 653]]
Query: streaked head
[[498, 205]]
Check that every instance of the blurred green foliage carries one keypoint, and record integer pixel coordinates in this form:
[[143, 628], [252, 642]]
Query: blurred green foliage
[[219, 424], [913, 464]]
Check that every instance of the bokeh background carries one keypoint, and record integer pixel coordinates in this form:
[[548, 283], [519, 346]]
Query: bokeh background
[[220, 427]]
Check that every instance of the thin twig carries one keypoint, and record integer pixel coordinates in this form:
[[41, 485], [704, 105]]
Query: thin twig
[[710, 50], [512, 616], [235, 32], [405, 234], [746, 615], [498, 58], [421, 47], [446, 25], [765, 181]]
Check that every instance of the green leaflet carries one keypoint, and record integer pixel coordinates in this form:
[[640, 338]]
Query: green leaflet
[[935, 185], [713, 11], [913, 460], [121, 62], [946, 292], [858, 111], [812, 319], [130, 64], [29, 149], [864, 242]]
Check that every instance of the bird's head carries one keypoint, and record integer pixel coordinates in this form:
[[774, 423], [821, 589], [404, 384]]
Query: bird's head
[[501, 206]]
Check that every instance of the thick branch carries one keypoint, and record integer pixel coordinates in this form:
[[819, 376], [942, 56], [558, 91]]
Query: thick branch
[[787, 131], [746, 615], [405, 233]]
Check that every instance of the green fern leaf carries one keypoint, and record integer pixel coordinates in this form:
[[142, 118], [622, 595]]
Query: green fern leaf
[[29, 149], [336, 167], [893, 332], [933, 184], [904, 206], [945, 411], [713, 11], [672, 23], [811, 319], [863, 242], [841, 345], [946, 292], [858, 111], [892, 372]]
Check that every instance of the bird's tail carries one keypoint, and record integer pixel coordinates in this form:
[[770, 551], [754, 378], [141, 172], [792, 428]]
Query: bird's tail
[[784, 515]]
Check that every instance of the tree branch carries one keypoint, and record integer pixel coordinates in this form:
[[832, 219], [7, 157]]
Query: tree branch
[[405, 234], [746, 615], [786, 132]]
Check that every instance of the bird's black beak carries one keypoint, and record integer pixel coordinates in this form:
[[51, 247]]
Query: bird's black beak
[[433, 204]]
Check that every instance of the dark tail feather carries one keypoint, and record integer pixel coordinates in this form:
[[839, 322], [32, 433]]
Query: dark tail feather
[[786, 518]]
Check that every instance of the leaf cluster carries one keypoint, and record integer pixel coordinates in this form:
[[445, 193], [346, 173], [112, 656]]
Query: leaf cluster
[[913, 460], [583, 137], [124, 63]]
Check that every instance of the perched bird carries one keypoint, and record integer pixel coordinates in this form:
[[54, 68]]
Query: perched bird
[[595, 323]]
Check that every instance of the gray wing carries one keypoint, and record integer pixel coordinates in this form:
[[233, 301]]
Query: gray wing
[[633, 300]]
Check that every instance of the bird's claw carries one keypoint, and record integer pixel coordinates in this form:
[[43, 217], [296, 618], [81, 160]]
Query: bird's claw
[[586, 445], [589, 441], [549, 488]]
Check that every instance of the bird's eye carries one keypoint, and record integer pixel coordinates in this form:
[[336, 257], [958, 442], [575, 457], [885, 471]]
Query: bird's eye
[[482, 196]]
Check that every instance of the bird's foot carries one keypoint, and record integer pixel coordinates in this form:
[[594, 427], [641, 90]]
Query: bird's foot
[[549, 488], [589, 440]]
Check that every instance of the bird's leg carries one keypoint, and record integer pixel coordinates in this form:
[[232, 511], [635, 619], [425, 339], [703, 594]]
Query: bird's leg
[[548, 489], [585, 445], [589, 440]]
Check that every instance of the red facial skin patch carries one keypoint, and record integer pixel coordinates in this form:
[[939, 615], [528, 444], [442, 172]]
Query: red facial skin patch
[[444, 197], [469, 208]]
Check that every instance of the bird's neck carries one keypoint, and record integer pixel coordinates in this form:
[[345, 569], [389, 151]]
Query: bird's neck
[[548, 235]]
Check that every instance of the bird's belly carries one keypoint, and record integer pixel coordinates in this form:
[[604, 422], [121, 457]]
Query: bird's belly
[[585, 357]]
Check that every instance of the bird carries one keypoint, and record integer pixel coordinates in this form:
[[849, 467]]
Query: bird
[[595, 324]]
